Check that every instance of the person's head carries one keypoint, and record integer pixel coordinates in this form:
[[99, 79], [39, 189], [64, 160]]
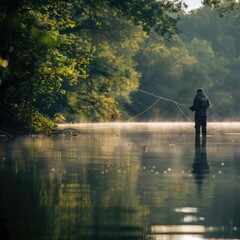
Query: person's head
[[199, 91]]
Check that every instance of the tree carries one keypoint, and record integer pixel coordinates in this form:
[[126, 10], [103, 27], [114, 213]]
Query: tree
[[205, 55], [69, 62], [37, 71], [223, 7], [221, 53], [10, 7], [162, 66]]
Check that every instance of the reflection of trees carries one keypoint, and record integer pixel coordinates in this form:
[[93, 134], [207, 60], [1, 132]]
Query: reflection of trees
[[93, 186], [118, 212], [58, 192]]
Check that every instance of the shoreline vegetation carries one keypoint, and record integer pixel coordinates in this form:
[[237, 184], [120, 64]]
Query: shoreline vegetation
[[108, 61], [73, 58], [12, 124]]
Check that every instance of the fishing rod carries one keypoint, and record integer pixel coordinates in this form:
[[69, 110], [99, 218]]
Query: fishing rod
[[158, 99]]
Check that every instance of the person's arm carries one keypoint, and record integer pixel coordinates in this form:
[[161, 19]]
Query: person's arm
[[193, 107]]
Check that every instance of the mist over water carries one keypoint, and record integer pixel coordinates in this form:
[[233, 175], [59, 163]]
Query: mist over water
[[122, 181]]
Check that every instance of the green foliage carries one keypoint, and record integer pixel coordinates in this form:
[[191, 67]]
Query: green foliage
[[220, 59], [224, 7], [82, 60], [76, 57], [111, 70], [32, 119], [163, 67], [146, 14], [205, 55]]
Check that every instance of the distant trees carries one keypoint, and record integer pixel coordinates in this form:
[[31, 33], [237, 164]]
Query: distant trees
[[162, 66], [205, 55], [221, 61], [224, 6]]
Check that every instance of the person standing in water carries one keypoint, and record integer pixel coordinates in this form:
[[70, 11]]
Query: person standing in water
[[200, 106]]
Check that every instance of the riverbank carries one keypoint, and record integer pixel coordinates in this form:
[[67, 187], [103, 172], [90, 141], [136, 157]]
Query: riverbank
[[12, 129], [9, 124]]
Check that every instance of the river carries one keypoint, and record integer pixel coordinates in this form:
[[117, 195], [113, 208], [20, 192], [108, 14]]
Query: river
[[122, 181]]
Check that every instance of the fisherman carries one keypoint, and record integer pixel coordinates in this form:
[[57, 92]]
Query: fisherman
[[200, 105]]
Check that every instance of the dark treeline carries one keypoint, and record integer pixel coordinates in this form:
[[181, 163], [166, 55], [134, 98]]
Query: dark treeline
[[83, 60]]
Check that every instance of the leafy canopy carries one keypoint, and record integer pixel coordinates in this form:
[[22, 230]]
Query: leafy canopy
[[75, 58]]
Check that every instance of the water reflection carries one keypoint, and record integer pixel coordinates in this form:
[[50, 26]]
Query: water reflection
[[120, 183], [200, 165], [70, 188]]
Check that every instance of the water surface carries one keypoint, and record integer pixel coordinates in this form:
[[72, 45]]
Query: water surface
[[122, 181]]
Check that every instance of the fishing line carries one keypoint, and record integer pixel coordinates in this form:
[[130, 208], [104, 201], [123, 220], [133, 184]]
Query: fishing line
[[145, 110], [158, 99]]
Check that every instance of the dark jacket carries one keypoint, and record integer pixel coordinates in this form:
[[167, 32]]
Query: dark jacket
[[200, 105]]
